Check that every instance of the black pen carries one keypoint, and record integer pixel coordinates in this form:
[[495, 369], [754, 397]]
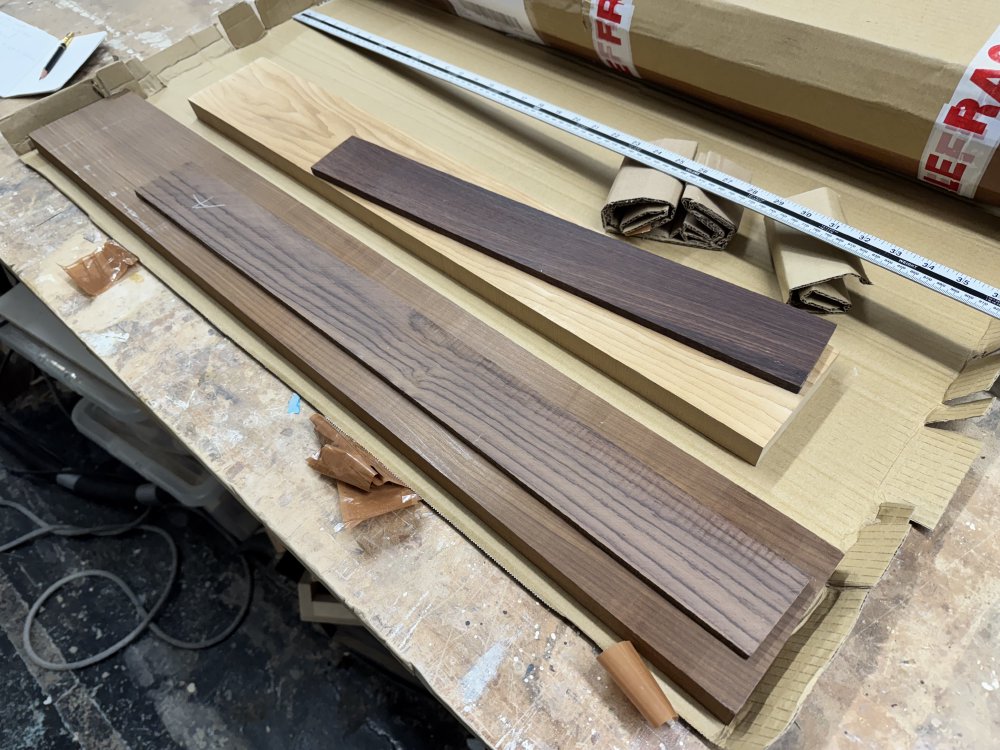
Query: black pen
[[55, 57]]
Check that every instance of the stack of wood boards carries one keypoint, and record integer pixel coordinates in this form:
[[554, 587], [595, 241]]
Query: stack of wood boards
[[862, 439], [707, 580], [294, 123]]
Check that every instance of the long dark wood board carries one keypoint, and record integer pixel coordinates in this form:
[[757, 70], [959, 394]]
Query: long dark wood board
[[730, 582], [105, 148], [748, 330]]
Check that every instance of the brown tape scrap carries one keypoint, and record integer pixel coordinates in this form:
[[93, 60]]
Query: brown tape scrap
[[367, 488], [98, 271]]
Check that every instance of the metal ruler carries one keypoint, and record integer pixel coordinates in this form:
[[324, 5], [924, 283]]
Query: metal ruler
[[928, 273]]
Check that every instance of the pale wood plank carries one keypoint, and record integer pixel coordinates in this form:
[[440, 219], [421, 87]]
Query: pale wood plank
[[292, 123]]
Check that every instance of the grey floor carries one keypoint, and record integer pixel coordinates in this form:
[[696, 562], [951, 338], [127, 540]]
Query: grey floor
[[276, 683]]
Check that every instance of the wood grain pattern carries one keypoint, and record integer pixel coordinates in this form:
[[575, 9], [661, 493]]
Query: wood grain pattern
[[104, 148], [729, 582], [762, 336], [293, 123]]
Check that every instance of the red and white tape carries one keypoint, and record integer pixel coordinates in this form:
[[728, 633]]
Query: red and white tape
[[967, 132], [610, 22]]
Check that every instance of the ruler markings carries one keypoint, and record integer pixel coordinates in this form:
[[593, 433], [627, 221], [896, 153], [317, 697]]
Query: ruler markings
[[935, 276]]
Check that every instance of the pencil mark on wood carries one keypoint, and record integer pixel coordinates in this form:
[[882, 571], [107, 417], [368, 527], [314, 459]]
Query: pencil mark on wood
[[200, 202]]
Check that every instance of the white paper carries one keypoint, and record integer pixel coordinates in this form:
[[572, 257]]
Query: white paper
[[508, 16], [25, 50]]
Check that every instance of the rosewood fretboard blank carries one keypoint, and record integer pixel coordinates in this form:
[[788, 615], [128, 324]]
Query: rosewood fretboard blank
[[748, 330], [105, 148], [733, 584]]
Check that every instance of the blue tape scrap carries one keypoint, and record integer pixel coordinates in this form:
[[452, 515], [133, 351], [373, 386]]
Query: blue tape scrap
[[294, 404]]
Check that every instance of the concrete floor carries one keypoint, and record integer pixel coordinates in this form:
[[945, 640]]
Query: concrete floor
[[277, 682]]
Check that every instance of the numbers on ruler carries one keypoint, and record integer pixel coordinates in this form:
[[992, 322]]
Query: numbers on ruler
[[881, 253]]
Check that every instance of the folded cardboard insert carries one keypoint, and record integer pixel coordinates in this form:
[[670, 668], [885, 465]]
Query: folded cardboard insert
[[813, 274], [645, 202]]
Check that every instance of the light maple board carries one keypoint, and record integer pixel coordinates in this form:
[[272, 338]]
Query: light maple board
[[292, 123]]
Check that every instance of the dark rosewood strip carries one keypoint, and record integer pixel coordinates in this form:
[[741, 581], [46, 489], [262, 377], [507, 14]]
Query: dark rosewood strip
[[105, 148], [727, 580], [748, 330]]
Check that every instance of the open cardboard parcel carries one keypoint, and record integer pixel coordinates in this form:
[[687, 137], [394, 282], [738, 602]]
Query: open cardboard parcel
[[859, 460], [884, 81]]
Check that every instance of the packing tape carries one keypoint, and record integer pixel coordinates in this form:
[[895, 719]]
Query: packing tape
[[610, 21], [508, 16], [97, 272], [967, 131]]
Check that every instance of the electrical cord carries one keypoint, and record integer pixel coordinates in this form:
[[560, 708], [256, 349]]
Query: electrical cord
[[43, 528]]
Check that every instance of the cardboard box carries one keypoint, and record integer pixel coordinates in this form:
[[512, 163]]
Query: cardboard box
[[911, 85], [856, 467]]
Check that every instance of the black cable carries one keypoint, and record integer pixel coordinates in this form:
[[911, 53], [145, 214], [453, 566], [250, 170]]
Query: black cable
[[43, 528]]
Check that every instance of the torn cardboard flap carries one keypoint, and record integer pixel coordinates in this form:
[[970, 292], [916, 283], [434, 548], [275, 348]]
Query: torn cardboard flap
[[241, 25], [273, 12], [811, 273], [644, 201]]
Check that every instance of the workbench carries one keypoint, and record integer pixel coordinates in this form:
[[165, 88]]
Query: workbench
[[920, 669]]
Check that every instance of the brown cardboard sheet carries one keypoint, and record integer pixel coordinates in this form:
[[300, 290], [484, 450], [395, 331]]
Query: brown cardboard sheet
[[860, 445]]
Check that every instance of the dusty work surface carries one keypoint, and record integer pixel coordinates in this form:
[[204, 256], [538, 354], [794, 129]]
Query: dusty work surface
[[276, 682], [498, 659]]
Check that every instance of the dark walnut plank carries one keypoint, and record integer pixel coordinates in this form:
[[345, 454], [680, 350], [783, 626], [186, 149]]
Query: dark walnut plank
[[748, 330], [105, 148], [727, 580]]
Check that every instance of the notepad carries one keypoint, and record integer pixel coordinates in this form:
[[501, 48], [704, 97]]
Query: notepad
[[25, 51]]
